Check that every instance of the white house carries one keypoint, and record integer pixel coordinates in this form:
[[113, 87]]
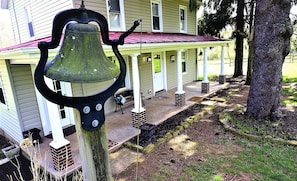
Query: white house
[[160, 55]]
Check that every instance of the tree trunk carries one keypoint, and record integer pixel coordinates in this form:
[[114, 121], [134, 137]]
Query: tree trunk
[[272, 44], [239, 39], [251, 44]]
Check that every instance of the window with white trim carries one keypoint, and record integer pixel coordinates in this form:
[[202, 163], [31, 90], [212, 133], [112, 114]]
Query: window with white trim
[[183, 18], [116, 14], [156, 15], [184, 61], [2, 97], [29, 21]]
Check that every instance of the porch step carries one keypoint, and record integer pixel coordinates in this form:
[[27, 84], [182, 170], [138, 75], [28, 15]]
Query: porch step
[[160, 92], [67, 131], [118, 137]]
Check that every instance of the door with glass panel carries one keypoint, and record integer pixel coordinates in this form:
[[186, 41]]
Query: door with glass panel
[[157, 61]]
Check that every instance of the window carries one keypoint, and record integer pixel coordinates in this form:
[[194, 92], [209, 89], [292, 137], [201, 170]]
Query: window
[[116, 14], [157, 63], [184, 62], [2, 98], [58, 90], [182, 19], [29, 21], [156, 16]]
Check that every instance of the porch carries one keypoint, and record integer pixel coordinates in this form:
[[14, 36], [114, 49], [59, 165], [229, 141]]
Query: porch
[[119, 126]]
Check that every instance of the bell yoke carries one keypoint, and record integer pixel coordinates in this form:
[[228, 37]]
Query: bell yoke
[[81, 59]]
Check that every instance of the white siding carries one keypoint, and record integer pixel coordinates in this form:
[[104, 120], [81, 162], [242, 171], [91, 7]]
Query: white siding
[[190, 75], [146, 80], [26, 98], [19, 24], [95, 5], [138, 9], [9, 120], [42, 13], [171, 70]]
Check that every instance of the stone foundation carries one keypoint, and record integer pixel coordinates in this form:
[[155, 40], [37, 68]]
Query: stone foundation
[[138, 119], [205, 87], [222, 79], [180, 99], [62, 157]]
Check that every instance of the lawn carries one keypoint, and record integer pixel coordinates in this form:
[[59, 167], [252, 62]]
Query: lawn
[[218, 155], [262, 160]]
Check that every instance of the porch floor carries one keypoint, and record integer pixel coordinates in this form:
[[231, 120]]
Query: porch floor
[[119, 126]]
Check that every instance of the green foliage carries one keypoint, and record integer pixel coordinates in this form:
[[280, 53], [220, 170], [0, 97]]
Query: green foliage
[[212, 23], [289, 80], [218, 178]]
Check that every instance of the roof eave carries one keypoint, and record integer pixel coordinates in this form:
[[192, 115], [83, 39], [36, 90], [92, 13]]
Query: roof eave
[[31, 55]]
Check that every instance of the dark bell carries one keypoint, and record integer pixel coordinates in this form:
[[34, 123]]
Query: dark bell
[[81, 57]]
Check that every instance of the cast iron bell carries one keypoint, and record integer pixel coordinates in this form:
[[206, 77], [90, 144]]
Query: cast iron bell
[[81, 57]]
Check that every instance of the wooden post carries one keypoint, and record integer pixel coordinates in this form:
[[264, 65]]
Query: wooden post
[[93, 151]]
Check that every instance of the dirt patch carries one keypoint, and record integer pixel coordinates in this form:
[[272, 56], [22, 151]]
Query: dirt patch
[[193, 144]]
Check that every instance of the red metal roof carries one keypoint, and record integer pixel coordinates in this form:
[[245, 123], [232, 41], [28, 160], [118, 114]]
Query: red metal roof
[[135, 37]]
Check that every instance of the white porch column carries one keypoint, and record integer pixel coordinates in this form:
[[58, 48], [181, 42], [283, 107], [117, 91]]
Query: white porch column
[[205, 82], [59, 146], [55, 122], [180, 93], [138, 112], [58, 136], [222, 77]]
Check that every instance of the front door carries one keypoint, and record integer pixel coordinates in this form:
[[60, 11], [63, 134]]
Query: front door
[[58, 112], [158, 74]]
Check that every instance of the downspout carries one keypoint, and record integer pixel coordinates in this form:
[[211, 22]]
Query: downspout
[[17, 24], [197, 66]]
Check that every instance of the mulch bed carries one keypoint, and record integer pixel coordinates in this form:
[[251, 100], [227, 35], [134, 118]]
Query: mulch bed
[[9, 170]]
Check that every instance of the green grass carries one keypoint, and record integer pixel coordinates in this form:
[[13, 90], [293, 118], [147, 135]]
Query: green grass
[[264, 161], [263, 128], [211, 77], [289, 95], [289, 72], [289, 92]]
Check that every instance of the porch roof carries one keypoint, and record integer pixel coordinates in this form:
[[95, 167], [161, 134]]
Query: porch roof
[[134, 38]]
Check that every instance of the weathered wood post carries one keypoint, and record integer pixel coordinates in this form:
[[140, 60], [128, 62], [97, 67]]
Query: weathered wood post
[[94, 152]]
